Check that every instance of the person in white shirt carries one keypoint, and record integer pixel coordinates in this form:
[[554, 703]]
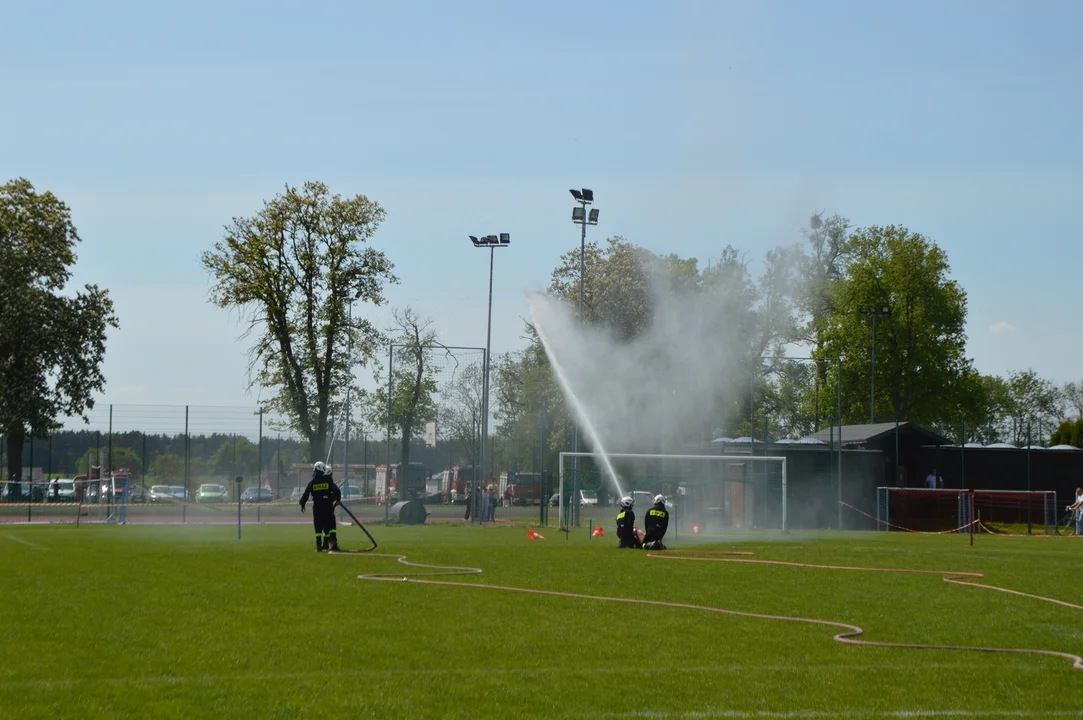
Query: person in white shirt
[[1077, 510], [933, 480]]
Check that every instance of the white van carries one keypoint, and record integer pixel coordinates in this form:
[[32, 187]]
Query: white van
[[61, 490]]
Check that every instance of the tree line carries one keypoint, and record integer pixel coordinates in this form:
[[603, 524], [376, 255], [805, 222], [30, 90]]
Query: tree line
[[302, 272]]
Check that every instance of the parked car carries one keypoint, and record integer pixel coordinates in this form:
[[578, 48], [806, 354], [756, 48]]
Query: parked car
[[586, 497], [295, 496], [211, 493], [137, 494], [256, 495], [160, 494], [350, 491], [180, 493]]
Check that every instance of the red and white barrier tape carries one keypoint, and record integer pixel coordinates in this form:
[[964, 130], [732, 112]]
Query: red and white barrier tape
[[900, 527]]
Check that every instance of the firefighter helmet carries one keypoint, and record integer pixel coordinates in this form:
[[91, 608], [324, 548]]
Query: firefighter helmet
[[626, 502], [659, 499], [320, 468]]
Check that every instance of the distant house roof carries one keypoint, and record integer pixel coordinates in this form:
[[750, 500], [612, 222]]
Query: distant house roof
[[862, 434]]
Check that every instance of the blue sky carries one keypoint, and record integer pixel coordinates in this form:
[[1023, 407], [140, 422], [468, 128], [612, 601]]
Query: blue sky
[[697, 124]]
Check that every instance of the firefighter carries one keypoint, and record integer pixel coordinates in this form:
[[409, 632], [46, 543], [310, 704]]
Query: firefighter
[[657, 523], [626, 525], [325, 496]]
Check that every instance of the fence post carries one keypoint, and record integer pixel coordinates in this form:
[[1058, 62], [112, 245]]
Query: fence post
[[30, 495], [187, 492]]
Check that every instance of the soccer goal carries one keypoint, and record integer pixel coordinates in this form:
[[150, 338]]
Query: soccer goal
[[944, 510], [705, 493]]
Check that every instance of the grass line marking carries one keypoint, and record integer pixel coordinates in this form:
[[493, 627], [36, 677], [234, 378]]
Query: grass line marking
[[18, 539]]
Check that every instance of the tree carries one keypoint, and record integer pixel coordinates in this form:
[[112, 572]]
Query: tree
[[921, 365], [123, 458], [1033, 405], [413, 383], [461, 413], [1068, 433], [52, 343], [167, 469], [292, 269], [1072, 395], [237, 456]]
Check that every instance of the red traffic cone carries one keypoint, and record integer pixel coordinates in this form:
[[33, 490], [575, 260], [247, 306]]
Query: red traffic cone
[[598, 532], [696, 528], [530, 534], [639, 532], [539, 536]]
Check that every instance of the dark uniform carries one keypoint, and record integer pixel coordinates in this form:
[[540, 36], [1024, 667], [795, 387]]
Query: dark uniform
[[657, 523], [626, 529], [325, 495]]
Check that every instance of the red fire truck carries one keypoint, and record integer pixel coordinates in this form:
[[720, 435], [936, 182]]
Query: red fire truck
[[526, 488], [411, 488], [459, 481]]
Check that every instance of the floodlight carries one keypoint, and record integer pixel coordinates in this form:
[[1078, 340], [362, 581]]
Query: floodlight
[[505, 238], [477, 243], [576, 194], [863, 310], [885, 310], [588, 195], [594, 216], [578, 214]]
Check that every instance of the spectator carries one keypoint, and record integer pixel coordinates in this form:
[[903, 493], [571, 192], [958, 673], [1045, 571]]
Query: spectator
[[933, 480], [1077, 510]]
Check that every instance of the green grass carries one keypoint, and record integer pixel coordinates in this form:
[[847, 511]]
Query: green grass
[[154, 621]]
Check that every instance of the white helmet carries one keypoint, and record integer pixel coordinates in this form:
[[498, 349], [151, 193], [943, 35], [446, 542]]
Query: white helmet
[[627, 502], [320, 468], [659, 499]]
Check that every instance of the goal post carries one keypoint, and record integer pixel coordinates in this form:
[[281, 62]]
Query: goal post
[[704, 492], [954, 509]]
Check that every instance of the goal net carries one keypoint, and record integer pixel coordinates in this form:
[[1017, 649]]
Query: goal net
[[947, 510], [706, 494]]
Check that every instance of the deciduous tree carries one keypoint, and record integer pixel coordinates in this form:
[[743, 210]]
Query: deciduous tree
[[920, 346], [413, 380], [52, 339], [292, 269]]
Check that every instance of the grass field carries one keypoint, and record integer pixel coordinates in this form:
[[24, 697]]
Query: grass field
[[153, 621]]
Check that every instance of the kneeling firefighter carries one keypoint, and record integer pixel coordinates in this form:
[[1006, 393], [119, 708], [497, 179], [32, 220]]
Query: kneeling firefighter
[[325, 496], [626, 525], [657, 524]]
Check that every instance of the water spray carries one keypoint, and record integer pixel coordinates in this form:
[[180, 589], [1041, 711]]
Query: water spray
[[569, 393]]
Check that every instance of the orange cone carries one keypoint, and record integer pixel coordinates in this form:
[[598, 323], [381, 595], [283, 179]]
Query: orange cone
[[538, 536], [530, 534], [598, 532]]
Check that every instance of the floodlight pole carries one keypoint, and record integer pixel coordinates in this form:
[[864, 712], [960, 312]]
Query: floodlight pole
[[874, 311], [584, 197], [349, 383], [387, 465], [485, 393], [492, 242]]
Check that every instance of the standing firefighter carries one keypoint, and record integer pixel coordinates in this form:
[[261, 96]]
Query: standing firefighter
[[657, 524], [325, 496], [626, 525]]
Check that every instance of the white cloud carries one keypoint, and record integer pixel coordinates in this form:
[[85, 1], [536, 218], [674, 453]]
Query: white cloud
[[1001, 328]]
